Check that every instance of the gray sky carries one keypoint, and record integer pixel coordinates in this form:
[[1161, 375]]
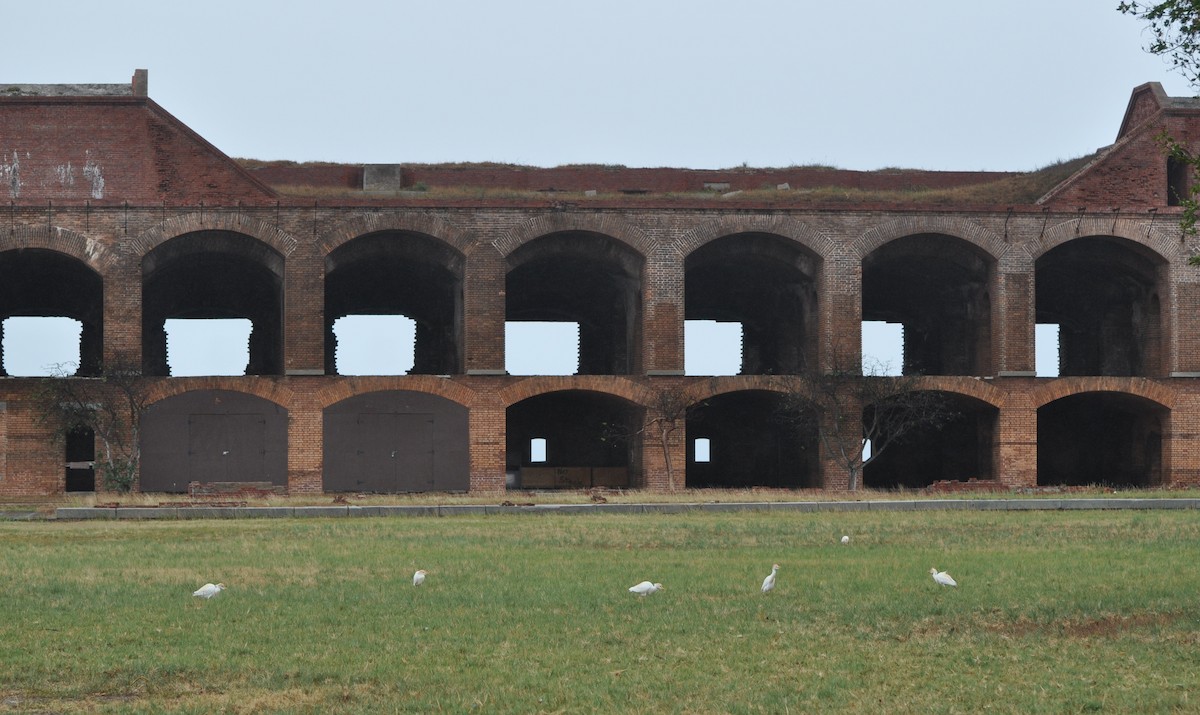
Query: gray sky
[[933, 84]]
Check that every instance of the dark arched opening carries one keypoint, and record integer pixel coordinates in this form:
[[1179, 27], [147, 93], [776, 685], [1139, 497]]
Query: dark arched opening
[[752, 439], [958, 449], [1100, 438], [37, 282]]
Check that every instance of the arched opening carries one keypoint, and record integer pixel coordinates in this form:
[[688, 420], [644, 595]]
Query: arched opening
[[396, 441], [584, 278], [213, 436], [40, 283], [583, 439], [938, 288], [214, 275], [957, 450], [1102, 292], [752, 441], [398, 273], [1104, 438], [764, 283]]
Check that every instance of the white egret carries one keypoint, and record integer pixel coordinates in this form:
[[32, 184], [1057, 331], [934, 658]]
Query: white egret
[[209, 590], [645, 588], [845, 540], [419, 577], [769, 581], [942, 577]]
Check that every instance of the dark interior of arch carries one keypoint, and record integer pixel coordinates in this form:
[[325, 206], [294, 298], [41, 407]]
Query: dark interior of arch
[[399, 273], [766, 283], [214, 274], [959, 450], [1100, 438], [1102, 293], [42, 283], [753, 442], [582, 430], [936, 286], [585, 278]]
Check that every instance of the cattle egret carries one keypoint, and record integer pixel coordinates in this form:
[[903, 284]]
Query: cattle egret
[[845, 540], [419, 577], [209, 590], [645, 588], [769, 581], [942, 577]]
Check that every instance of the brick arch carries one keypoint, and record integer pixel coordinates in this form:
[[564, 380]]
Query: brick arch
[[364, 224], [1159, 239], [427, 384], [966, 386], [1137, 386], [969, 231], [93, 253], [271, 390], [778, 225], [604, 224], [737, 383], [615, 386], [229, 220]]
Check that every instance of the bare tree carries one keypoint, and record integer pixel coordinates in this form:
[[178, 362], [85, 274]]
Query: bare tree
[[851, 408], [110, 405], [666, 415]]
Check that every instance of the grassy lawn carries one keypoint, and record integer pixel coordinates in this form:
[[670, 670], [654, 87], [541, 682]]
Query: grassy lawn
[[1055, 612]]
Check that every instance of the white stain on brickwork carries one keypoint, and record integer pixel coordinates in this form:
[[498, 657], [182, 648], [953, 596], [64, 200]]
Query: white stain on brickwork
[[10, 173], [92, 172], [65, 174]]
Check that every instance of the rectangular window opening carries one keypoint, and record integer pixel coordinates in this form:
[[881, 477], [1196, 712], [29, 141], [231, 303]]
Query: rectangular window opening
[[882, 348], [701, 451], [41, 346], [375, 344], [1046, 350], [217, 346], [712, 347], [537, 450], [1177, 181], [541, 348]]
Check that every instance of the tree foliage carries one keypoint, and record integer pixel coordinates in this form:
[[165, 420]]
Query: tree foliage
[[110, 405], [851, 407], [1174, 29]]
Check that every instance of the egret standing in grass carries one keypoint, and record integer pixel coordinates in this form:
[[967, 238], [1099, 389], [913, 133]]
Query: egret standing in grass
[[769, 581], [645, 588], [942, 577], [419, 577], [845, 540], [209, 590]]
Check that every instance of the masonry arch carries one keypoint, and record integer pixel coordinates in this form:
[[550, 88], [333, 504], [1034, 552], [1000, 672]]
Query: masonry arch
[[590, 279], [212, 435], [1105, 294], [46, 283], [214, 274], [751, 440], [939, 288], [400, 273], [1109, 438], [962, 448], [392, 441], [574, 439], [767, 284]]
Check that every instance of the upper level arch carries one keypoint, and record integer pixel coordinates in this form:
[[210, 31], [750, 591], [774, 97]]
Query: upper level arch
[[939, 288], [979, 236], [591, 279], [790, 228], [98, 256], [222, 220], [399, 222], [211, 274], [609, 225]]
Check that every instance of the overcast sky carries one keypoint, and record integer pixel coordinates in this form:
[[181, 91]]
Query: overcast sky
[[1012, 85], [931, 84]]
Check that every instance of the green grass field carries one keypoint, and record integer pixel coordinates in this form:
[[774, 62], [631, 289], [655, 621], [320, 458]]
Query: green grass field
[[1056, 612]]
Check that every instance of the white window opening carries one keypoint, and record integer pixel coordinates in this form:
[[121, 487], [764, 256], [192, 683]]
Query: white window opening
[[711, 347], [882, 348], [1045, 349], [866, 451], [41, 347], [375, 344], [537, 450], [541, 348], [218, 346], [701, 450]]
